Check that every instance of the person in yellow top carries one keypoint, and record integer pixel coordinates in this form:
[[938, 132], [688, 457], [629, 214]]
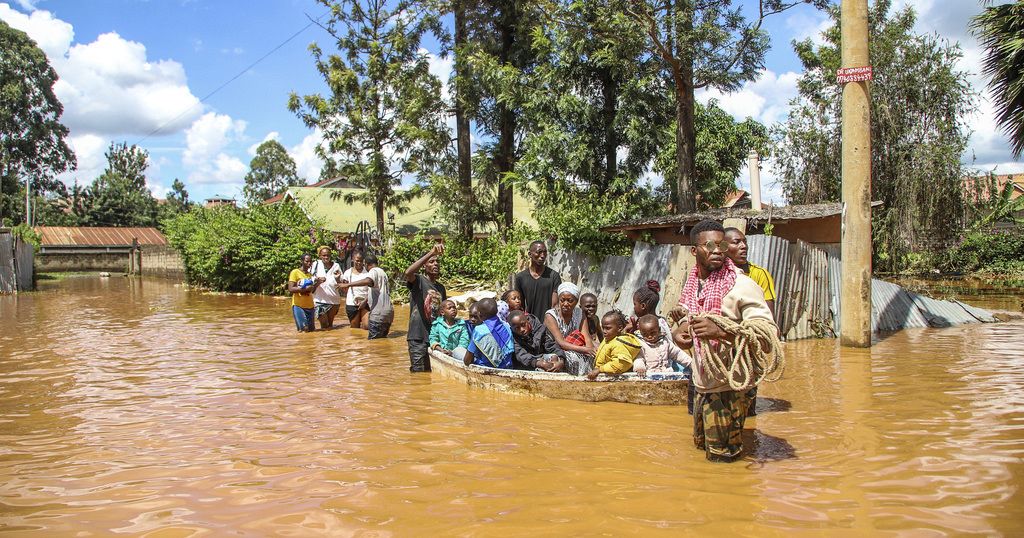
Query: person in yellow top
[[617, 351], [302, 284], [738, 254]]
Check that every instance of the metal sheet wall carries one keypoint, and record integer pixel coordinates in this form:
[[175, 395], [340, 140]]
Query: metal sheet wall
[[8, 284], [773, 253], [24, 256]]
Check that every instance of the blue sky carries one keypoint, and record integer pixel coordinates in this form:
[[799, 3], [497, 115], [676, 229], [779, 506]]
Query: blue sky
[[132, 67]]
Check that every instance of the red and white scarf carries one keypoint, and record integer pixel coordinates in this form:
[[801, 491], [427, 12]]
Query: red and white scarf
[[713, 290]]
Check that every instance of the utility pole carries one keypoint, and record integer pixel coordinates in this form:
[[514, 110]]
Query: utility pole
[[28, 201], [855, 293]]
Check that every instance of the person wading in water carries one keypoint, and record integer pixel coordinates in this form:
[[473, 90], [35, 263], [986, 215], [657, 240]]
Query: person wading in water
[[714, 287], [421, 309]]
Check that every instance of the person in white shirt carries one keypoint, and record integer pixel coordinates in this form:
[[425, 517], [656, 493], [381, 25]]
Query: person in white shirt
[[356, 296], [326, 299]]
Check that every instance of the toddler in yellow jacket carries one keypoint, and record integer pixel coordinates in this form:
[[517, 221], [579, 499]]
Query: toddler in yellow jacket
[[617, 351]]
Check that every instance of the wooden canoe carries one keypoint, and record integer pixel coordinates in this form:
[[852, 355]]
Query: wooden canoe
[[655, 389]]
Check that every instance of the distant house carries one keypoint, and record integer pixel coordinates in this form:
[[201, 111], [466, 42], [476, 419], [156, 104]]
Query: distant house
[[335, 183], [82, 248], [329, 206], [978, 187], [217, 201], [813, 223]]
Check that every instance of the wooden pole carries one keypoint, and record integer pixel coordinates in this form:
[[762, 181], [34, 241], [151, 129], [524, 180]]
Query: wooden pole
[[855, 294]]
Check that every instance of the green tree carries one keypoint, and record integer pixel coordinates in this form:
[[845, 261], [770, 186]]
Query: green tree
[[119, 197], [32, 139], [918, 134], [384, 117], [589, 98], [271, 171], [1000, 30], [722, 147], [701, 44]]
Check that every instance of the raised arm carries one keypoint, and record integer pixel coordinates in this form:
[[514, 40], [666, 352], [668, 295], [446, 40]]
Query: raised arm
[[410, 272]]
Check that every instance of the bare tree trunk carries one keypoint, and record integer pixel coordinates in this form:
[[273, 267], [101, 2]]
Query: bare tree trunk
[[504, 160], [686, 137], [610, 91], [378, 208], [463, 147]]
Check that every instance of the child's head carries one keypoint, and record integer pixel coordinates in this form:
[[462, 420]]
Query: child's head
[[474, 314], [520, 322], [449, 310], [588, 302], [612, 324], [645, 299], [514, 299], [650, 329]]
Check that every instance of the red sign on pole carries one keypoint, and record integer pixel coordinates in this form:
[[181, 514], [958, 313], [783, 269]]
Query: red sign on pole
[[853, 74]]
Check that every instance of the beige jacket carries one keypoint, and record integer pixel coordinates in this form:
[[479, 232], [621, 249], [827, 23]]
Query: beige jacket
[[744, 301]]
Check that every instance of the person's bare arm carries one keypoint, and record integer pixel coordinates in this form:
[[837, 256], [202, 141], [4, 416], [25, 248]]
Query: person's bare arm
[[410, 272], [358, 283], [771, 306], [585, 329], [552, 327]]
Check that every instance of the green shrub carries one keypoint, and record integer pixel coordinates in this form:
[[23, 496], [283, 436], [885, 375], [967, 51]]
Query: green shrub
[[27, 234], [988, 252], [574, 218], [249, 250]]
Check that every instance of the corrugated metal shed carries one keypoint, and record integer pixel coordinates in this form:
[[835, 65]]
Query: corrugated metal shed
[[8, 282], [648, 262], [83, 236], [806, 307], [893, 308], [773, 254]]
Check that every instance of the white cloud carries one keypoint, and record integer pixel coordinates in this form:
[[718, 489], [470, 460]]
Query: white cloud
[[809, 24], [307, 163], [90, 151], [765, 99], [272, 135], [204, 153]]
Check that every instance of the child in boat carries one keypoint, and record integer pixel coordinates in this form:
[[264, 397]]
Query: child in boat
[[588, 302], [513, 299], [448, 333], [657, 352], [490, 344], [619, 348], [645, 301]]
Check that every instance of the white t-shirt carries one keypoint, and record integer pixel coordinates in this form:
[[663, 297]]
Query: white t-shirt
[[327, 292], [359, 292]]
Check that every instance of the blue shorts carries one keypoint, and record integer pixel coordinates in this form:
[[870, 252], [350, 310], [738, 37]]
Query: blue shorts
[[303, 318]]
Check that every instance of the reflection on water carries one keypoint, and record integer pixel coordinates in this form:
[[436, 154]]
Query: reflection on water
[[138, 407]]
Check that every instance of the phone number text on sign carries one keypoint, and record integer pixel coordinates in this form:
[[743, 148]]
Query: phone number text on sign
[[853, 74]]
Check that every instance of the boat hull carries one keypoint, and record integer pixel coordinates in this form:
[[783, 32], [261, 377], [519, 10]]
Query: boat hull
[[657, 389]]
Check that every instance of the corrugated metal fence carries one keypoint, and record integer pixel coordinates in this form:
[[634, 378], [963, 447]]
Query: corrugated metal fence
[[807, 279], [16, 259]]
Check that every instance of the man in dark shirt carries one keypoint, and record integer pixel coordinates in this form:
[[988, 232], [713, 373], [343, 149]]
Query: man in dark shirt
[[537, 283], [535, 348], [421, 308]]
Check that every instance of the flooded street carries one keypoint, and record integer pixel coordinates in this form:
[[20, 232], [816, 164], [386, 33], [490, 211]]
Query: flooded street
[[139, 407]]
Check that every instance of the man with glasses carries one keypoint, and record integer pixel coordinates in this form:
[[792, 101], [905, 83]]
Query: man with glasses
[[715, 287]]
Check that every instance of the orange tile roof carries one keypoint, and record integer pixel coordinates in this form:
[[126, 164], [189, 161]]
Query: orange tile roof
[[98, 236]]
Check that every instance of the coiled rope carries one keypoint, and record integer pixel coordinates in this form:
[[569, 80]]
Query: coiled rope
[[757, 352]]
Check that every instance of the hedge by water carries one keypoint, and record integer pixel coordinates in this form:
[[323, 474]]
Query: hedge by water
[[246, 250]]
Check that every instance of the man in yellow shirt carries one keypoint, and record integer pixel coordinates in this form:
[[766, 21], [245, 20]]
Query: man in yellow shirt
[[738, 254], [302, 284]]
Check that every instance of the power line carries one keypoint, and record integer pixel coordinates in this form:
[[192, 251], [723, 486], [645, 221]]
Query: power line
[[232, 79]]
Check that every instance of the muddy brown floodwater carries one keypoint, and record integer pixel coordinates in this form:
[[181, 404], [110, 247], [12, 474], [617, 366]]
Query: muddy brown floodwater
[[141, 408]]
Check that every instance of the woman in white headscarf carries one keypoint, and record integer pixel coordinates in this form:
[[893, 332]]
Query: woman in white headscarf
[[568, 327]]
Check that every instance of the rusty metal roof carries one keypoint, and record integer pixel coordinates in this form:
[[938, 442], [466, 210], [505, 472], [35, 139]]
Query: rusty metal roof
[[98, 236]]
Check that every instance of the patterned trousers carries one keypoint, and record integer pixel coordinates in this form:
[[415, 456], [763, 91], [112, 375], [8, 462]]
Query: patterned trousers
[[718, 419]]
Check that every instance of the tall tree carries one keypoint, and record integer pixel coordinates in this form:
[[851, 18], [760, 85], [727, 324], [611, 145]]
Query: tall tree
[[1000, 30], [461, 84], [702, 44], [119, 197], [32, 139], [591, 98], [919, 101], [384, 117], [271, 171]]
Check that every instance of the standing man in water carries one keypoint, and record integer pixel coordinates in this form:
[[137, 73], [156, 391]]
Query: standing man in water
[[715, 287], [421, 309], [378, 301], [738, 254], [537, 283]]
